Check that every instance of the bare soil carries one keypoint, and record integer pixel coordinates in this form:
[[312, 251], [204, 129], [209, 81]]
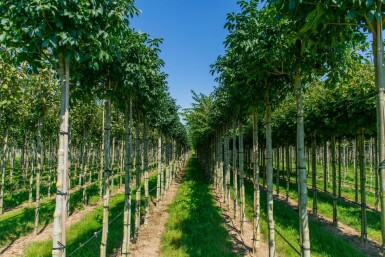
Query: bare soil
[[148, 243]]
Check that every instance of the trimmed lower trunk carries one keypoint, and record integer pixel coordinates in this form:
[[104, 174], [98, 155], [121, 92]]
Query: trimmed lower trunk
[[106, 180], [301, 170], [127, 188], [60, 214]]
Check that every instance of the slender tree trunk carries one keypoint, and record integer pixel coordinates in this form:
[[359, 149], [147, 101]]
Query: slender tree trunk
[[301, 170], [11, 162], [32, 160], [278, 167], [257, 209], [269, 177], [334, 175], [146, 189], [160, 168], [355, 171], [106, 180], [227, 170], [241, 181], [235, 171], [2, 170], [314, 172], [364, 233], [102, 156], [138, 179], [127, 189], [40, 166], [50, 167], [339, 167], [288, 160], [378, 60], [60, 214], [376, 177]]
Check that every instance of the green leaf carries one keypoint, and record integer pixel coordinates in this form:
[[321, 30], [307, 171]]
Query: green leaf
[[351, 14], [45, 43]]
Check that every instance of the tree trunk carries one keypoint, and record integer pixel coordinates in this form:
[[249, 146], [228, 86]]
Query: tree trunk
[[301, 170], [364, 233], [241, 182], [314, 172], [146, 189], [257, 211], [288, 171], [269, 178], [227, 171], [160, 168], [40, 167], [355, 161], [106, 180], [32, 160], [334, 177], [127, 188], [60, 214], [102, 156], [138, 180], [378, 63], [278, 167], [235, 171], [2, 170], [339, 167]]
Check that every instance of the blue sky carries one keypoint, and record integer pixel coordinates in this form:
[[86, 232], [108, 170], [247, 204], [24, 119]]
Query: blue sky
[[193, 36]]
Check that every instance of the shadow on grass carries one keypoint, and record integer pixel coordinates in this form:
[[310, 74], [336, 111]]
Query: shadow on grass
[[322, 241], [87, 229], [195, 226], [21, 223]]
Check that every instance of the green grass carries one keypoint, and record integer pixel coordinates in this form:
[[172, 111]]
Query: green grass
[[18, 223], [82, 230], [195, 226], [347, 213], [323, 242]]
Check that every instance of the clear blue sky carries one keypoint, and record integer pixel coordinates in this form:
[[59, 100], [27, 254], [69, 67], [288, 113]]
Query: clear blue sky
[[193, 36]]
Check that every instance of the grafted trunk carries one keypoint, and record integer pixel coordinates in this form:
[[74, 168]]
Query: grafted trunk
[[127, 188], [60, 214], [106, 180]]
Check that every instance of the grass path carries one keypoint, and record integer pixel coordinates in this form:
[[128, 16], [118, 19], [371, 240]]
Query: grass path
[[195, 226]]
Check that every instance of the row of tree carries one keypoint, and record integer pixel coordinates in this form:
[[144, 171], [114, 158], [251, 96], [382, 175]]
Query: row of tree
[[114, 73], [274, 53]]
